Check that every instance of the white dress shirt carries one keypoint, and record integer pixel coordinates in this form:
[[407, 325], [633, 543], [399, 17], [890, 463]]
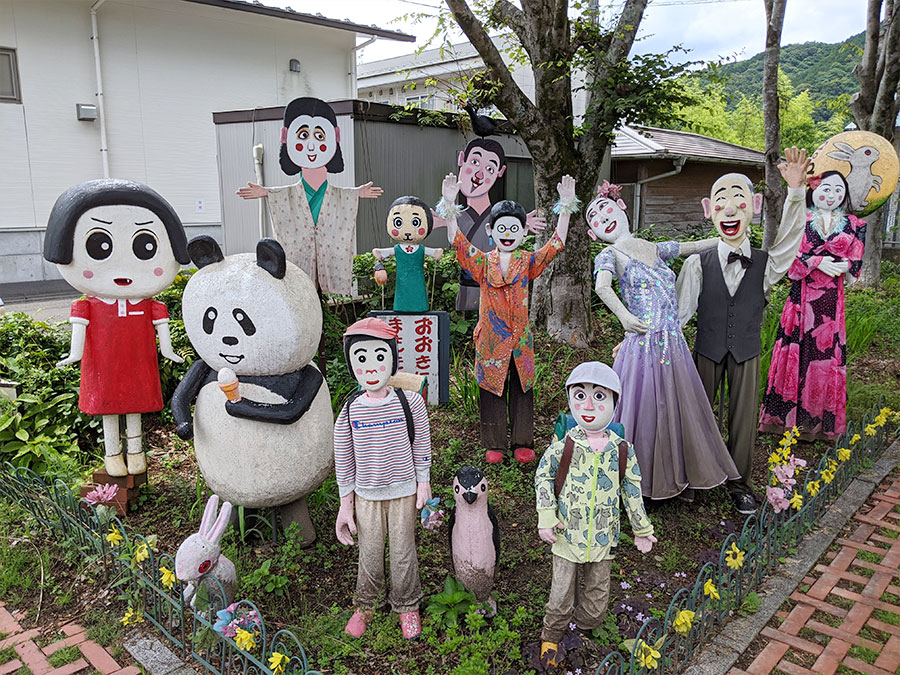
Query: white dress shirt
[[781, 255]]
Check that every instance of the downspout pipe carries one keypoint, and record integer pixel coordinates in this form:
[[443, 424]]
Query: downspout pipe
[[353, 89], [679, 165], [95, 38]]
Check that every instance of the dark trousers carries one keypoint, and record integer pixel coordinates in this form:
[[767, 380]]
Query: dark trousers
[[743, 408], [513, 408]]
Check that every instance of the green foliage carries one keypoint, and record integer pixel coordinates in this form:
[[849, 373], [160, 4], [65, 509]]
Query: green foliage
[[7, 655], [750, 605], [171, 373], [263, 579], [445, 608], [465, 393], [64, 656]]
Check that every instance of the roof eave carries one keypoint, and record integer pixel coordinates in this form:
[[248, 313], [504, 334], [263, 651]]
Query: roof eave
[[691, 158]]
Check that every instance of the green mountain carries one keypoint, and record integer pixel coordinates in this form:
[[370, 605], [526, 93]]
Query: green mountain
[[826, 70]]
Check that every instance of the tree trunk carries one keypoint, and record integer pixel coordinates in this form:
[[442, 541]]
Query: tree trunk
[[775, 192], [870, 274]]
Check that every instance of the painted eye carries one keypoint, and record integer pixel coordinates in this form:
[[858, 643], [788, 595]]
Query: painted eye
[[475, 162], [416, 221], [303, 134], [361, 358], [144, 245], [244, 321], [398, 222], [209, 319], [599, 395], [483, 487], [456, 488], [204, 567], [319, 135], [490, 170], [99, 245], [379, 358], [579, 396]]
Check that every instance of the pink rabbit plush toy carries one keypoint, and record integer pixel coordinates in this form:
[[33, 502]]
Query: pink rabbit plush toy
[[200, 555]]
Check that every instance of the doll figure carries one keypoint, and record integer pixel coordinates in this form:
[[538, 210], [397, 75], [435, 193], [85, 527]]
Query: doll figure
[[120, 243], [664, 410], [409, 221], [579, 484], [504, 350], [727, 287], [807, 385], [382, 458], [314, 220]]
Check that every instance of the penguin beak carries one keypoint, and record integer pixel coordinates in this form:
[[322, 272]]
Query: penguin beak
[[470, 496]]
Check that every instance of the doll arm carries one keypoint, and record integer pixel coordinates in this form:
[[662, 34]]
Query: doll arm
[[447, 209], [345, 525], [567, 204], [603, 287], [369, 191], [165, 341], [344, 457], [545, 495], [858, 248], [692, 247], [252, 191], [382, 253], [185, 394], [687, 287], [634, 503], [421, 450], [787, 241], [436, 253], [76, 346], [281, 413]]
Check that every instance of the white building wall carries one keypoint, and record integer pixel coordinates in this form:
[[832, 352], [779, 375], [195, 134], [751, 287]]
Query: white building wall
[[167, 66]]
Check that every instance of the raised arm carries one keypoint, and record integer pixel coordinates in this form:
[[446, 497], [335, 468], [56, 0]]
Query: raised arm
[[793, 217], [566, 206], [446, 208], [369, 191]]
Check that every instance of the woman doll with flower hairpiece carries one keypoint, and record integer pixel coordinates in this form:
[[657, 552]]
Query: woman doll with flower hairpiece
[[664, 407], [807, 385]]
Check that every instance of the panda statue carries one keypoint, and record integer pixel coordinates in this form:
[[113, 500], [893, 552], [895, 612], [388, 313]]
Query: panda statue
[[262, 423]]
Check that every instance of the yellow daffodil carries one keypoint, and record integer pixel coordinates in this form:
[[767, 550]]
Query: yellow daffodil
[[735, 557], [168, 577], [141, 553], [775, 459], [832, 465], [827, 476], [277, 663], [854, 439], [870, 430], [709, 588], [132, 616], [153, 541], [114, 538], [796, 500], [813, 488], [245, 640], [647, 656], [683, 621], [843, 454]]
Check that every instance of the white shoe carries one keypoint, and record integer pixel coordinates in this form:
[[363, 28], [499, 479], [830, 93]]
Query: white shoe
[[115, 465], [137, 463]]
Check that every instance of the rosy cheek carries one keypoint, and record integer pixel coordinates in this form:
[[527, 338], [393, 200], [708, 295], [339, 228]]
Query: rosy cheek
[[323, 148], [718, 207], [742, 205], [609, 210], [299, 146], [821, 198], [601, 407], [577, 406], [87, 274], [359, 371], [158, 271], [468, 170], [395, 233], [382, 368], [421, 230]]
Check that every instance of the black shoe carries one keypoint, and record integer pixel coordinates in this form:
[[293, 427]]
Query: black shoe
[[744, 503]]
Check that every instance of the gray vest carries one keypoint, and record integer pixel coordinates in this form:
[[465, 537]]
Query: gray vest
[[727, 324]]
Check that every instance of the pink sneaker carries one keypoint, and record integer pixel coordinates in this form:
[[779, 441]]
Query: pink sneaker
[[493, 456], [411, 625], [357, 624]]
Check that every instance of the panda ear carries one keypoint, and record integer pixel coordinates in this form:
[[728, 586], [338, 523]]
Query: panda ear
[[204, 250], [270, 256]]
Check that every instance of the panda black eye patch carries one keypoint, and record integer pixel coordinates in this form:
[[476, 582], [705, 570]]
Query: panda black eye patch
[[209, 319], [244, 321]]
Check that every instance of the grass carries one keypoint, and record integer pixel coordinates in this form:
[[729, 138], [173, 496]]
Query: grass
[[863, 654], [869, 556], [890, 618], [64, 656], [103, 628], [7, 655]]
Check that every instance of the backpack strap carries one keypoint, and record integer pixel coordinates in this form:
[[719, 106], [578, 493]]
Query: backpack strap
[[407, 413], [563, 469], [623, 460]]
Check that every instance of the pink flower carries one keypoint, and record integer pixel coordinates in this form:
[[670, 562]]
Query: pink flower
[[785, 475], [840, 245], [786, 370], [102, 494], [776, 499], [796, 462], [825, 334]]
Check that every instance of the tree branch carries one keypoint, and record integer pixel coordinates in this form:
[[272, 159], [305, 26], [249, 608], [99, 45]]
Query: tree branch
[[510, 99], [509, 15]]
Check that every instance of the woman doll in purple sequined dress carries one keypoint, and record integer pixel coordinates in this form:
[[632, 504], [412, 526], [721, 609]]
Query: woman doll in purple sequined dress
[[664, 407]]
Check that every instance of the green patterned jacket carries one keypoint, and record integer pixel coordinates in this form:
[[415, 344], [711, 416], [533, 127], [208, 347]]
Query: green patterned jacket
[[589, 502]]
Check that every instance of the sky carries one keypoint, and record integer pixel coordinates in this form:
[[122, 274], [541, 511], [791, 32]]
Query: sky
[[710, 29]]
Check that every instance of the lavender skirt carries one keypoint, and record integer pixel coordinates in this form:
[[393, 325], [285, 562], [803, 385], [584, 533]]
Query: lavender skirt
[[668, 418]]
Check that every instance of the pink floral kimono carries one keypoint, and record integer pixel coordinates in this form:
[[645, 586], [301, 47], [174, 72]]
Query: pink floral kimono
[[807, 385]]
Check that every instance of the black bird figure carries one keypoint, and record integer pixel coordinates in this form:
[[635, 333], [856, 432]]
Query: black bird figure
[[482, 125]]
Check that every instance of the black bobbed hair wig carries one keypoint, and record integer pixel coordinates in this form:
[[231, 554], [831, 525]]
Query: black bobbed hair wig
[[506, 207], [414, 201], [846, 200], [314, 107], [59, 240], [351, 340], [486, 144]]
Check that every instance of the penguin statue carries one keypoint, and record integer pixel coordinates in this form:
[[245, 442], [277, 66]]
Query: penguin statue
[[474, 535]]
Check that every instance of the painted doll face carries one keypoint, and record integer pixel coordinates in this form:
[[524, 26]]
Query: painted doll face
[[311, 141], [607, 219], [591, 405], [407, 224], [372, 362], [507, 233], [731, 206], [830, 193], [120, 251], [479, 171]]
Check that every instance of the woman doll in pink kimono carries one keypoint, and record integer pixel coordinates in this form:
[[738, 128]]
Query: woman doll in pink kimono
[[807, 385], [314, 220]]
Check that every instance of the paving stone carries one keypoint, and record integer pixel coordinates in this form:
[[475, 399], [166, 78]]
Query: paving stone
[[10, 666], [70, 668], [99, 657], [70, 641], [19, 637], [153, 655]]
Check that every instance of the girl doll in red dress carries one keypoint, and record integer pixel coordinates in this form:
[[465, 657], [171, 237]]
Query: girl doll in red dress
[[120, 243]]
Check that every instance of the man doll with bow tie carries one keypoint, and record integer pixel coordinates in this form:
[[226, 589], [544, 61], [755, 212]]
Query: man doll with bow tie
[[727, 286]]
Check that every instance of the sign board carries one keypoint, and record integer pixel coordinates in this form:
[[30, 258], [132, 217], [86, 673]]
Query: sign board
[[423, 344]]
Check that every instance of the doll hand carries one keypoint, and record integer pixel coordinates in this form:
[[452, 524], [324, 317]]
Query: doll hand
[[794, 170], [172, 356], [450, 188], [345, 527], [615, 351], [381, 277], [185, 431], [252, 191], [437, 253], [376, 254], [370, 191], [644, 544], [546, 533], [632, 324], [67, 360], [423, 494], [534, 222], [832, 268], [566, 188]]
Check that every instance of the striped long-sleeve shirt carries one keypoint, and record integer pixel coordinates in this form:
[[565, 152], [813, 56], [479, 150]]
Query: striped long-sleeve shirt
[[372, 452]]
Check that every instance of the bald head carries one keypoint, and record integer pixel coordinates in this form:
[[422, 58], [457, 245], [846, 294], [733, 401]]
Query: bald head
[[731, 206]]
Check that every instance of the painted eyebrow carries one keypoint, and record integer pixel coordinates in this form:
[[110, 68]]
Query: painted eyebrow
[[721, 189], [149, 222], [105, 222], [397, 213], [380, 349], [495, 162], [475, 151], [319, 128]]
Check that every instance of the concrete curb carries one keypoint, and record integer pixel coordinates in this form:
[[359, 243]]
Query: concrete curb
[[735, 638]]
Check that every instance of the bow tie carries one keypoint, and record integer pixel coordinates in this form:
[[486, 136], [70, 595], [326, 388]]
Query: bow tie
[[734, 256]]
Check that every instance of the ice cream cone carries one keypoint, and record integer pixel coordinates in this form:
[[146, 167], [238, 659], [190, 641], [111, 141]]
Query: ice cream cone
[[228, 383]]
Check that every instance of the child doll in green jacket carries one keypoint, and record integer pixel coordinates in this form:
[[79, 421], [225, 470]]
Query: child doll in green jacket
[[578, 483]]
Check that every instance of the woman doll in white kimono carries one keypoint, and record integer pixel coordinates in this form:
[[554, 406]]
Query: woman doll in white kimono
[[313, 220]]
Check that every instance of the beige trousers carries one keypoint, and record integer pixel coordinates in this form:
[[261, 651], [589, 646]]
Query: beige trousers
[[579, 591], [395, 519]]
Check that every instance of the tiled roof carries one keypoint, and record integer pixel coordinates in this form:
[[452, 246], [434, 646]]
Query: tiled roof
[[640, 141]]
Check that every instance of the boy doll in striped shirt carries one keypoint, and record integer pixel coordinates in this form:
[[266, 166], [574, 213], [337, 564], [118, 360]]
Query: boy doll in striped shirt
[[382, 458]]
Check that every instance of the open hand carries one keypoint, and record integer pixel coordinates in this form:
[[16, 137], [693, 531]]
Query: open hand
[[566, 188], [644, 544], [546, 533], [615, 350], [370, 191], [344, 526], [67, 360], [534, 222], [450, 188], [632, 324], [437, 254], [252, 191], [794, 170]]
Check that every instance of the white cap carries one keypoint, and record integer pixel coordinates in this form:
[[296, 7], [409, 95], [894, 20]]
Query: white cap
[[594, 372]]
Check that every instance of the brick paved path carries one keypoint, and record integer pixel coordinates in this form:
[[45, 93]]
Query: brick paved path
[[29, 655], [848, 617]]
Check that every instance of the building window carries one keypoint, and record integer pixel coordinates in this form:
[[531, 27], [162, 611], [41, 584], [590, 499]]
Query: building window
[[423, 101], [9, 76]]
